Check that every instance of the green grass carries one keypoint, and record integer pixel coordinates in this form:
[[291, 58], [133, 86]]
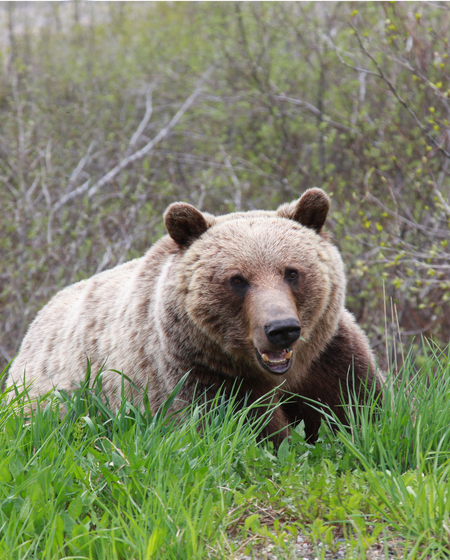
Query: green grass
[[77, 481]]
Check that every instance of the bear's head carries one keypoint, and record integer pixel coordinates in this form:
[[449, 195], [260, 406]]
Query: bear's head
[[267, 287]]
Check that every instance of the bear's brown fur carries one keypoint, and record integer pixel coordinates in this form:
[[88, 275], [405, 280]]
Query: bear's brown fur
[[254, 297]]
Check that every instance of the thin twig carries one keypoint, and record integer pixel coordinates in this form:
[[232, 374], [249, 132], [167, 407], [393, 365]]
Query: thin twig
[[437, 186], [318, 113], [397, 96], [148, 113], [5, 353], [79, 168], [437, 232], [342, 61], [417, 73], [234, 179]]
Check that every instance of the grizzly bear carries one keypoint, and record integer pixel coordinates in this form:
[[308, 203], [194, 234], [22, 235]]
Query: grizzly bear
[[250, 300]]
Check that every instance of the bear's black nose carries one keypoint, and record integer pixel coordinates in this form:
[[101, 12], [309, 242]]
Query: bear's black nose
[[283, 332]]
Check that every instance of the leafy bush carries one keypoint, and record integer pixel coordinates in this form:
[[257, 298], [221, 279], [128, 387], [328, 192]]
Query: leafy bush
[[229, 107]]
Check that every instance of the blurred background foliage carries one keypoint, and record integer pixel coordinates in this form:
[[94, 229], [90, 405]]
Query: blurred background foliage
[[228, 106]]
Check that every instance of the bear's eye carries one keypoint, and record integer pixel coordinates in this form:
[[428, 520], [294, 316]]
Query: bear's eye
[[239, 283], [291, 274]]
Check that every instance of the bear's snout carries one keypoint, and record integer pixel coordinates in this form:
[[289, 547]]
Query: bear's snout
[[283, 332]]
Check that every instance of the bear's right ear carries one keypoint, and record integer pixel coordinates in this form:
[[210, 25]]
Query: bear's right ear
[[310, 210], [184, 223]]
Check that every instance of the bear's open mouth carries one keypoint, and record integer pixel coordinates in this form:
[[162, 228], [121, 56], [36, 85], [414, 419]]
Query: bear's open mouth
[[275, 362]]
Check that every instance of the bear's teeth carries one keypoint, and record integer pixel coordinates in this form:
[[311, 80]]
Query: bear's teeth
[[267, 360]]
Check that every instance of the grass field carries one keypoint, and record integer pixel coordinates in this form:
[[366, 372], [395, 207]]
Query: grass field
[[100, 485]]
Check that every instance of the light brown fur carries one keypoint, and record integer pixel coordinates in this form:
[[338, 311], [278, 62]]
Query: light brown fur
[[179, 308]]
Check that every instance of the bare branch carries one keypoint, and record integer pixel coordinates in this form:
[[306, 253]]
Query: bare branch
[[161, 134], [330, 42], [5, 353], [79, 168], [418, 74], [148, 113], [437, 187], [201, 198], [66, 198], [402, 101], [140, 153], [436, 232], [234, 179], [318, 113]]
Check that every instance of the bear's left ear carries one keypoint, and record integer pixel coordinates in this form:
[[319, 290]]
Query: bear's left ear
[[310, 210], [184, 223]]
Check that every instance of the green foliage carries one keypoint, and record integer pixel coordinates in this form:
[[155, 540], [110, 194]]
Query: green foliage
[[80, 480]]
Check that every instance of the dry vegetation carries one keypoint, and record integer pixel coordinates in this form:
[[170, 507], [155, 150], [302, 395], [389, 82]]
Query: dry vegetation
[[111, 111]]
